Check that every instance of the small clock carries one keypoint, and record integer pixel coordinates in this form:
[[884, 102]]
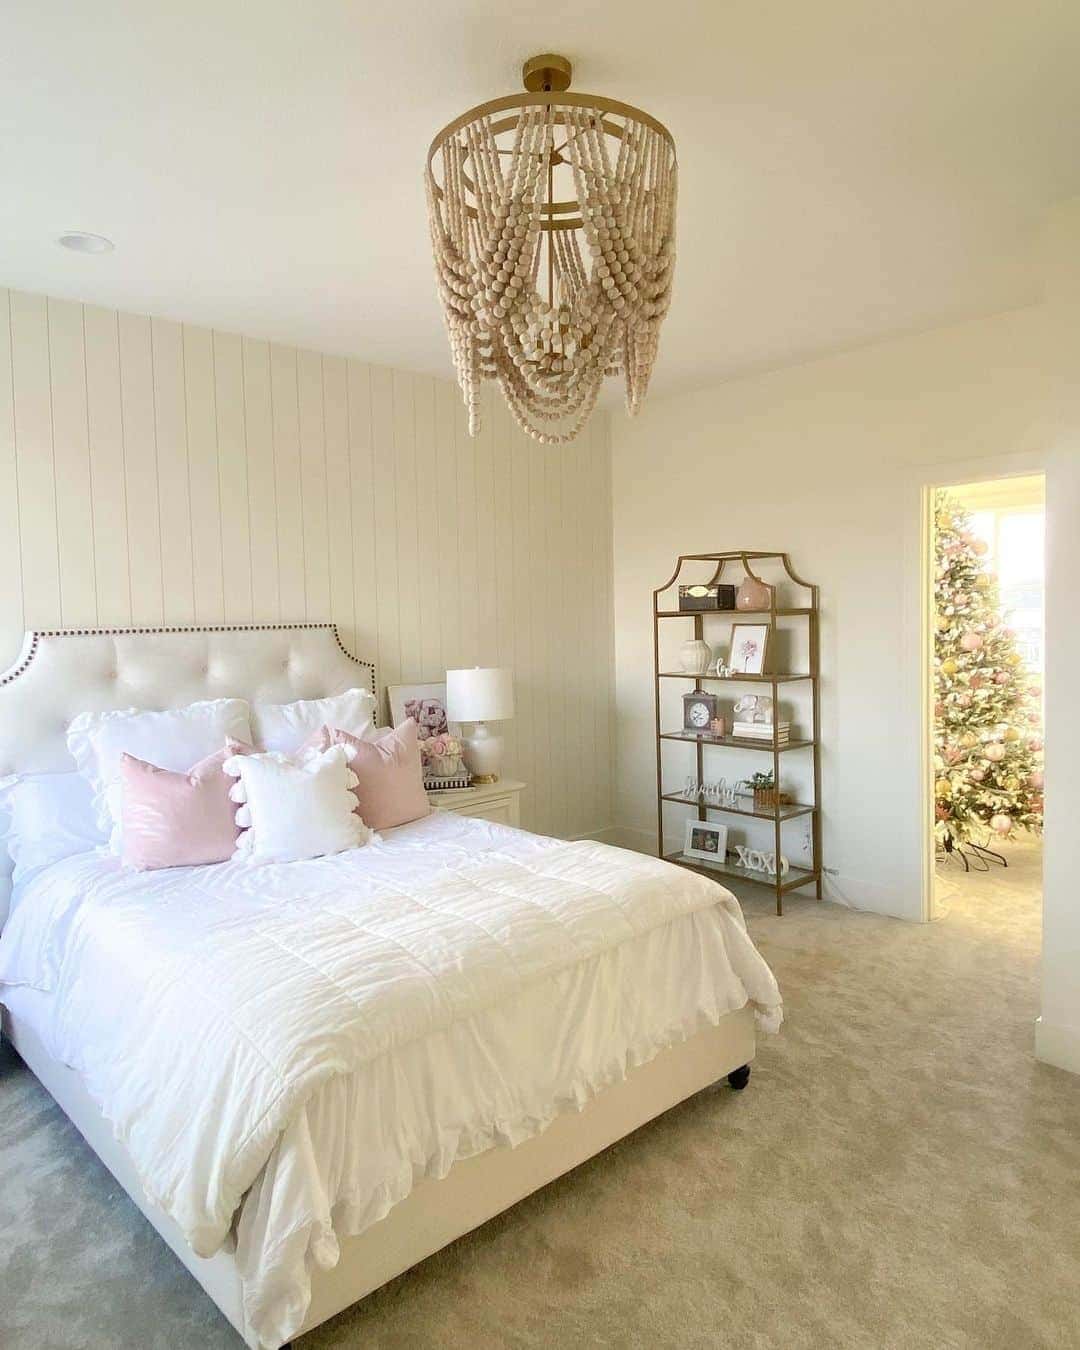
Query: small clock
[[699, 710]]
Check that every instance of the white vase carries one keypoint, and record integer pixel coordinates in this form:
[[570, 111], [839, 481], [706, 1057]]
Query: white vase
[[695, 656]]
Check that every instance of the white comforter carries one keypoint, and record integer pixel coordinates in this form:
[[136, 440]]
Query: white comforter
[[242, 1027]]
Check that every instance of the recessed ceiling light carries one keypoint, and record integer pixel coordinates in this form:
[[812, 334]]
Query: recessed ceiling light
[[81, 242]]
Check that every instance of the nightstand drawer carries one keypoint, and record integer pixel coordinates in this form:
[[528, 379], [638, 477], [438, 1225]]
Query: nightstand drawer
[[497, 802], [502, 813]]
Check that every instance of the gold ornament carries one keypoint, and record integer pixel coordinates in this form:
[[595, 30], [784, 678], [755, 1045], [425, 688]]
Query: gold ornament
[[1013, 659], [949, 666], [982, 581], [1011, 734], [945, 521], [942, 788], [968, 739]]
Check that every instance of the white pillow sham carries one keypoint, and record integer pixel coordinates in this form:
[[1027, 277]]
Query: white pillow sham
[[288, 811], [46, 817], [284, 727], [174, 739]]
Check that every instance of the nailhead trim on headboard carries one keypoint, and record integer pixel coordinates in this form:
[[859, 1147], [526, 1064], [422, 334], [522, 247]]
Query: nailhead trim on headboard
[[38, 634]]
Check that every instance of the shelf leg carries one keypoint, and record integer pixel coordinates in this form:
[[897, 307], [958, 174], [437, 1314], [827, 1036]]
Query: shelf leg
[[776, 787]]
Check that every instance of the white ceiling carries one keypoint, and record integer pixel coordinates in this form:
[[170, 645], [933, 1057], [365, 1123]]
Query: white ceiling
[[849, 168]]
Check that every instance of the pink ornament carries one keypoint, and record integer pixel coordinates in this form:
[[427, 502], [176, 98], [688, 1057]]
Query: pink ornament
[[1036, 779], [1035, 744], [1002, 677], [971, 641], [964, 699], [977, 681], [1001, 824], [994, 752], [978, 775], [981, 547]]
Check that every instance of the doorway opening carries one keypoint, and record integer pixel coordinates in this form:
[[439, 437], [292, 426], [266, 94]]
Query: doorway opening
[[987, 645]]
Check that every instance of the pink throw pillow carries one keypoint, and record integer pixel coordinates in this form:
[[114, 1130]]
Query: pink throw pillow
[[178, 819], [390, 787]]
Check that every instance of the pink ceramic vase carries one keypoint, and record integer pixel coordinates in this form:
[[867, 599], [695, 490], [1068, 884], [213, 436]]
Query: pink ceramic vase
[[752, 594]]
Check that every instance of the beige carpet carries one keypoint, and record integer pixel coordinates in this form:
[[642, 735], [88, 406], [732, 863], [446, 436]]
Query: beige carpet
[[899, 1173]]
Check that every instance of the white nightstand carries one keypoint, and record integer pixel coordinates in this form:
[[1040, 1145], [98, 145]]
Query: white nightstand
[[487, 801]]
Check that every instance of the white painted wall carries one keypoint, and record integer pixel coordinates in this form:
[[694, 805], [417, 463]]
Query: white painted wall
[[826, 461], [830, 460], [1058, 1035], [157, 473]]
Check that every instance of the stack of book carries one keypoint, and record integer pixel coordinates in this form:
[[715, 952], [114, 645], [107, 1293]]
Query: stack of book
[[763, 731]]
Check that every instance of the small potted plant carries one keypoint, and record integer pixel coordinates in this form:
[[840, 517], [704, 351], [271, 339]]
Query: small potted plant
[[766, 794]]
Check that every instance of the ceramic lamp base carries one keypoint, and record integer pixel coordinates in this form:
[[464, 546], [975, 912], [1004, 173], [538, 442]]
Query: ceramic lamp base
[[483, 754]]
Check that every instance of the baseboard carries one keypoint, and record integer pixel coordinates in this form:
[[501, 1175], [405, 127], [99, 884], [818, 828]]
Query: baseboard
[[624, 836], [639, 840], [1057, 1045]]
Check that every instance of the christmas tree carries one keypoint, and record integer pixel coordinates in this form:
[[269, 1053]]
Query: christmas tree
[[987, 711]]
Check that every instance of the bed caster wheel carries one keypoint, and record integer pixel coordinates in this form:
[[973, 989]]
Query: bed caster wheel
[[738, 1078]]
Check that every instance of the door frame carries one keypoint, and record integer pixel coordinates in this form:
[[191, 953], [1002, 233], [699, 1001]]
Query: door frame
[[923, 479]]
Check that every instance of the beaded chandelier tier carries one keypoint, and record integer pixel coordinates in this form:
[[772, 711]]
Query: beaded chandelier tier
[[553, 226]]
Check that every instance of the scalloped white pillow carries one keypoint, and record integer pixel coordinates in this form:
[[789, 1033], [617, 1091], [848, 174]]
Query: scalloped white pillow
[[284, 727], [288, 811], [174, 739]]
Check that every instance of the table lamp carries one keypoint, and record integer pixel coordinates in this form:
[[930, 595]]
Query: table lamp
[[476, 697]]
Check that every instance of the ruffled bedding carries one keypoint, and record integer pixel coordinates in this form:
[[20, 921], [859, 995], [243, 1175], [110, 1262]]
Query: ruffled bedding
[[322, 1035]]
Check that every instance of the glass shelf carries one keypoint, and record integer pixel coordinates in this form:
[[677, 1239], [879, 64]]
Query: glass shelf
[[789, 811], [727, 613], [794, 877], [733, 679], [739, 742]]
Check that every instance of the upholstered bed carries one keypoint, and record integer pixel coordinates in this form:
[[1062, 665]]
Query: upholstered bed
[[309, 1076]]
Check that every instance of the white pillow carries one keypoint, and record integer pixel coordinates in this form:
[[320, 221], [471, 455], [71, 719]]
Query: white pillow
[[288, 811], [175, 739], [284, 727], [46, 817]]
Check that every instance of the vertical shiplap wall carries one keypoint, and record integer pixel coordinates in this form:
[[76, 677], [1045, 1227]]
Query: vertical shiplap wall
[[155, 473]]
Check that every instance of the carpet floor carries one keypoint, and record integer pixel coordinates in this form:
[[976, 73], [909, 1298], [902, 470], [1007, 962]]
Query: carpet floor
[[899, 1173]]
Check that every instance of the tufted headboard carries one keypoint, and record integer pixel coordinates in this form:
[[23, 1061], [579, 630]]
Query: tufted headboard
[[60, 674]]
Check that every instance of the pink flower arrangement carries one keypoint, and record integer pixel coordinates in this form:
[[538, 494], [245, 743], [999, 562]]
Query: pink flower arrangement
[[443, 746]]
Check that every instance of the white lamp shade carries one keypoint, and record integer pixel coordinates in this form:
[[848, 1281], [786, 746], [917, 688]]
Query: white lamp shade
[[482, 694]]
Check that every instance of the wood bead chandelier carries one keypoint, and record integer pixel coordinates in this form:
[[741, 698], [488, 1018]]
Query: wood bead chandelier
[[553, 226]]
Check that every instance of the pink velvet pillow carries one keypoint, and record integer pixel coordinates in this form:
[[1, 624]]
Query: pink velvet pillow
[[178, 819], [390, 790]]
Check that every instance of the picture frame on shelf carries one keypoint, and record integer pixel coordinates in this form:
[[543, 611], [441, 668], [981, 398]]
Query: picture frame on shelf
[[705, 839], [748, 649]]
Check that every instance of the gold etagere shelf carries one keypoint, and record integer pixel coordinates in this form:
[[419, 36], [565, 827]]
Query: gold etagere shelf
[[751, 563]]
